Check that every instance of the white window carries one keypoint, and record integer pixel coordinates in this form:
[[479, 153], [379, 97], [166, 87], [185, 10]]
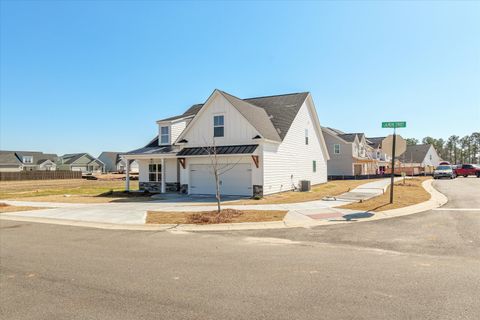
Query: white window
[[164, 135], [218, 126], [27, 159], [154, 172], [336, 149], [306, 136]]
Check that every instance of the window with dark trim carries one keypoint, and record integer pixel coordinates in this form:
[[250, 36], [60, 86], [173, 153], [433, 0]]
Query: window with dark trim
[[164, 135], [314, 166], [218, 126], [154, 172], [336, 148]]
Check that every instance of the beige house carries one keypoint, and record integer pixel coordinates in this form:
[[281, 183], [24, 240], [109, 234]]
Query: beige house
[[350, 153]]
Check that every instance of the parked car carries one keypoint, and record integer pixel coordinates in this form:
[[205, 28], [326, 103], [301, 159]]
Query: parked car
[[444, 171], [468, 170], [444, 163]]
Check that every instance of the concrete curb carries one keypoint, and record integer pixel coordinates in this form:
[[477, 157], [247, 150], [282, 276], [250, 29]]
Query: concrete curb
[[437, 200]]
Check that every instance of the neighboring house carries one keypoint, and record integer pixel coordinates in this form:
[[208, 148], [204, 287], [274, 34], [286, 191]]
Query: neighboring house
[[80, 162], [264, 145], [421, 155], [350, 153], [383, 160], [114, 162], [27, 160]]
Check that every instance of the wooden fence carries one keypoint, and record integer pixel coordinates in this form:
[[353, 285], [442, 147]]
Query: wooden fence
[[39, 175]]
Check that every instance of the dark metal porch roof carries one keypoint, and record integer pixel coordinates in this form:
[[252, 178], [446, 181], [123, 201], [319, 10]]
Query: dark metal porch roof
[[220, 150]]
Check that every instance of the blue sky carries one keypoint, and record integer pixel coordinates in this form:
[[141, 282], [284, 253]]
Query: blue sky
[[92, 76]]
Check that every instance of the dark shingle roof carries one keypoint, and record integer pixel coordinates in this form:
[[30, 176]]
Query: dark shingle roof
[[257, 117], [349, 137], [416, 153], [375, 142], [9, 158], [193, 110], [281, 110], [38, 157]]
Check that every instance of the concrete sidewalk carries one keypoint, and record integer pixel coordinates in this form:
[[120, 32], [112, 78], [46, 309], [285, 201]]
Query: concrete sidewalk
[[134, 213]]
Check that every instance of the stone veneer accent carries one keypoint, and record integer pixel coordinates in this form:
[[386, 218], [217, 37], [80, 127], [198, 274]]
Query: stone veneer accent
[[153, 187], [156, 187], [184, 188], [257, 191]]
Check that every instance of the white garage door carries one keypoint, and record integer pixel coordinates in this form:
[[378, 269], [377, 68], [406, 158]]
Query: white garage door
[[236, 181]]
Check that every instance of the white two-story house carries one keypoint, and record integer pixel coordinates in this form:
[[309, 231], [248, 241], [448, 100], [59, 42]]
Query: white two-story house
[[262, 146]]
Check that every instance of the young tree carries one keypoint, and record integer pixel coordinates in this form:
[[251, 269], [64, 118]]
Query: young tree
[[218, 169]]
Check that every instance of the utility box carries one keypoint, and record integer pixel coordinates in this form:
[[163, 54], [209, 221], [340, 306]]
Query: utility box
[[305, 185]]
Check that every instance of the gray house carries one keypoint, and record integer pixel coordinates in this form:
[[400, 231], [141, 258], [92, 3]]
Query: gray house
[[83, 162], [113, 162], [11, 161], [350, 153], [421, 155]]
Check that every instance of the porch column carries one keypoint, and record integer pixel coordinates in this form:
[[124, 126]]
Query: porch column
[[127, 177], [163, 176]]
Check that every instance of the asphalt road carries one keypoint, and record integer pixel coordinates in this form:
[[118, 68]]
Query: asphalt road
[[423, 266]]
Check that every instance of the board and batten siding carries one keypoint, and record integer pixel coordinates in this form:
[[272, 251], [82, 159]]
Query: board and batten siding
[[237, 129], [170, 169], [287, 163]]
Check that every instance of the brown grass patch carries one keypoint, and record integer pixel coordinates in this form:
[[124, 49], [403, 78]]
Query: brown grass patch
[[4, 208], [212, 217], [404, 195], [70, 191], [331, 188]]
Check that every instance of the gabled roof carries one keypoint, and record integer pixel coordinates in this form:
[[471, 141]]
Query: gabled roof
[[72, 157], [257, 117], [416, 153], [38, 157], [375, 142], [272, 116], [9, 158], [114, 157], [347, 137]]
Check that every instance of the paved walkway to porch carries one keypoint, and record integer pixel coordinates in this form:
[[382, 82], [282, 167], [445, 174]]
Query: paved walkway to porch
[[135, 212]]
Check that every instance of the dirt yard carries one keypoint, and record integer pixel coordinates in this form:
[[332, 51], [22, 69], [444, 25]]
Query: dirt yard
[[331, 188], [71, 191], [405, 194], [211, 217]]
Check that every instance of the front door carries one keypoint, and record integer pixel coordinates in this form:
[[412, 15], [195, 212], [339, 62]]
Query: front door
[[357, 169]]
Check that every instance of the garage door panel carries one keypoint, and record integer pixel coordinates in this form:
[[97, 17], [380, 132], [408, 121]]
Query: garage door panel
[[234, 181]]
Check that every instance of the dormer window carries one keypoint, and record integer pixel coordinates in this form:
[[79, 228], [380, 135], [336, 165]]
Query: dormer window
[[27, 159], [164, 135], [218, 126]]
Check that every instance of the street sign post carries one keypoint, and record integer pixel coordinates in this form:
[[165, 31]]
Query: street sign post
[[394, 125]]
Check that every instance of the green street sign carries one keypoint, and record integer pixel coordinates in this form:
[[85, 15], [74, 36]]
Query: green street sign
[[394, 124]]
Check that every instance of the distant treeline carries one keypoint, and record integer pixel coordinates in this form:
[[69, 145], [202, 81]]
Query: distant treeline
[[455, 149]]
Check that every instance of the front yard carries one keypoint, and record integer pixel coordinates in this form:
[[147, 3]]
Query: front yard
[[405, 194], [70, 191], [331, 188]]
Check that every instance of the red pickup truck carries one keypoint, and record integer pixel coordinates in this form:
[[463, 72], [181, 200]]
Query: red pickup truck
[[468, 170]]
